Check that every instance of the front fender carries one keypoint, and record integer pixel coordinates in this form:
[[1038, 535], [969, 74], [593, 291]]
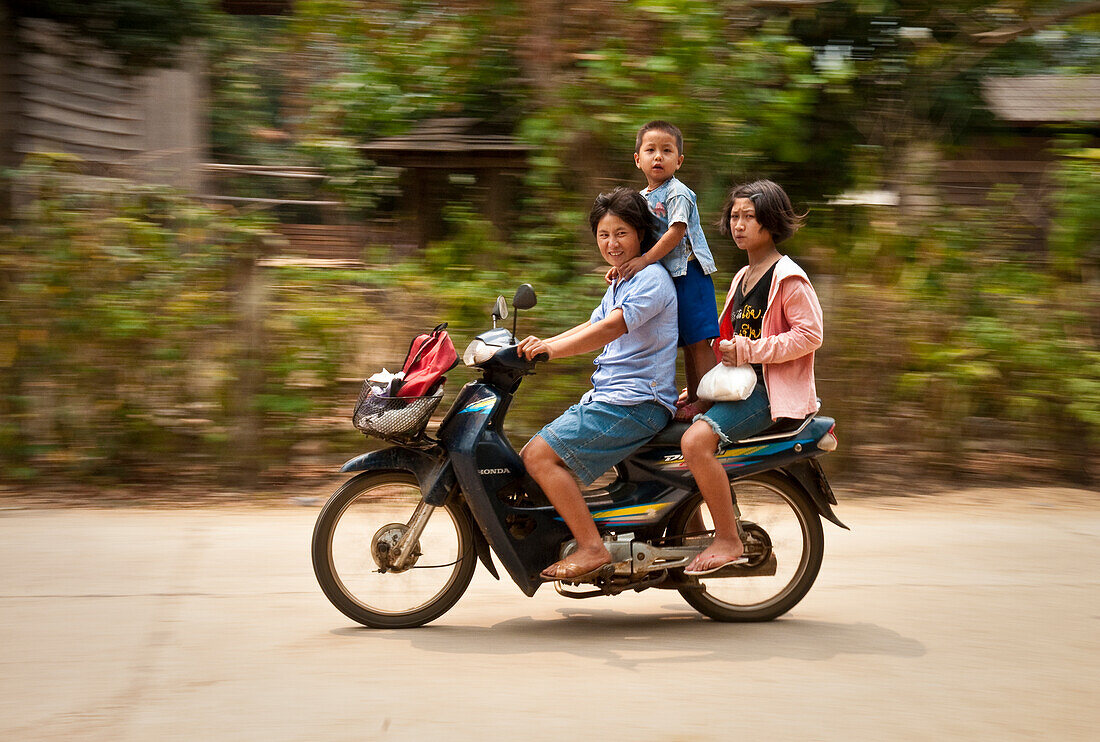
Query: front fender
[[434, 474]]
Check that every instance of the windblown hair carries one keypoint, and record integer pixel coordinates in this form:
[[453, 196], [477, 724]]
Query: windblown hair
[[630, 206], [664, 126], [773, 209]]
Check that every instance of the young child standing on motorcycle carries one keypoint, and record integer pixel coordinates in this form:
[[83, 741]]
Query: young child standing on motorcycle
[[633, 393], [772, 320], [681, 247]]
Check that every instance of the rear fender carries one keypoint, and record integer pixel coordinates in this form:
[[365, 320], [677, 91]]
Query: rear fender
[[811, 478], [434, 475]]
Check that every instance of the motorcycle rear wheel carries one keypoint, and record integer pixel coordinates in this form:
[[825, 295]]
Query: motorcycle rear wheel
[[349, 574], [792, 525]]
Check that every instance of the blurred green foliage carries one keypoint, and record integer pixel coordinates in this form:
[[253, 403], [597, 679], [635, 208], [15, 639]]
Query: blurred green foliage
[[135, 330], [137, 325], [1074, 235], [963, 337]]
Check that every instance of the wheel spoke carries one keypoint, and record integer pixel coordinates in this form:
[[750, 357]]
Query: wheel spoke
[[784, 544], [354, 545], [768, 509]]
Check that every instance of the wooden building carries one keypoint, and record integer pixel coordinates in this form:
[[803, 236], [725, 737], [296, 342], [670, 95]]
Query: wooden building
[[449, 159], [1031, 111], [58, 94]]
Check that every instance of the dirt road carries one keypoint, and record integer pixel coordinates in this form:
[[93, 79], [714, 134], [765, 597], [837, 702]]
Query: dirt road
[[970, 615]]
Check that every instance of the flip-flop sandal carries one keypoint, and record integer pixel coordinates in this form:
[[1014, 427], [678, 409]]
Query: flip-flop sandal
[[581, 577], [721, 565]]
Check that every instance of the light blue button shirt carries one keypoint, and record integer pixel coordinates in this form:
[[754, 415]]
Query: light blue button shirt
[[673, 202], [640, 366]]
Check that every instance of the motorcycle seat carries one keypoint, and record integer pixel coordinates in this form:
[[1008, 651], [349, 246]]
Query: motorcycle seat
[[670, 435], [784, 426]]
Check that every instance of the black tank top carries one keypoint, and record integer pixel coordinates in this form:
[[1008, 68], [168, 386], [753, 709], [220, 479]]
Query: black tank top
[[747, 311]]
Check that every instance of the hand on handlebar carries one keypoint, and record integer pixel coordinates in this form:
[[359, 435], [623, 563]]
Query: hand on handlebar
[[534, 349]]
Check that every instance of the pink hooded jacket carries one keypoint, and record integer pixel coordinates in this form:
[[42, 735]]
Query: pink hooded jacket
[[790, 332]]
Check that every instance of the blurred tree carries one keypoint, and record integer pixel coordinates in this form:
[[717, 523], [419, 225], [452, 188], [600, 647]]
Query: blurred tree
[[744, 93], [915, 68], [250, 119], [370, 70]]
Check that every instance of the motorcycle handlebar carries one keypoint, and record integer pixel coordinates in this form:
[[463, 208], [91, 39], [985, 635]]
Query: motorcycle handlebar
[[539, 358], [510, 357]]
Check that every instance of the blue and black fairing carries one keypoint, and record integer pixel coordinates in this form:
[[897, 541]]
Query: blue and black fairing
[[493, 477], [794, 455]]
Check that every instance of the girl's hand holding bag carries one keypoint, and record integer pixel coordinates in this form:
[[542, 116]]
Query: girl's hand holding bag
[[727, 383]]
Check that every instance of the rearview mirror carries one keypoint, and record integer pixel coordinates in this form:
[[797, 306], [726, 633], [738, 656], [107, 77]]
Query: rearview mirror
[[500, 311], [525, 297]]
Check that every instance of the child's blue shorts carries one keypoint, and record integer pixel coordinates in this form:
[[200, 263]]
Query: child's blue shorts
[[695, 299], [592, 437]]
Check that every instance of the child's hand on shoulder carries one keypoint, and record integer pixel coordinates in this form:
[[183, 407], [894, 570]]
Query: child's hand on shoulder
[[611, 275], [631, 267]]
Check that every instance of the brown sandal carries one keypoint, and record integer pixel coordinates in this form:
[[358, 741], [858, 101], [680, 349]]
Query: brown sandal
[[566, 571]]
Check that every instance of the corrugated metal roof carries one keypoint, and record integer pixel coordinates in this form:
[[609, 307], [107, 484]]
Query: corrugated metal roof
[[1034, 99]]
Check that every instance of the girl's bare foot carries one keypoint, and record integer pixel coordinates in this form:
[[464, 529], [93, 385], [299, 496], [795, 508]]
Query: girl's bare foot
[[719, 554]]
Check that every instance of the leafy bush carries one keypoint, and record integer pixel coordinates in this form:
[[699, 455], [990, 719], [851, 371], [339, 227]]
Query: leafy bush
[[964, 338], [135, 325]]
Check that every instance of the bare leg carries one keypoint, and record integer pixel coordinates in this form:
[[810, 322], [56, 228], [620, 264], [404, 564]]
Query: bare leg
[[698, 359], [556, 480], [699, 445], [691, 375]]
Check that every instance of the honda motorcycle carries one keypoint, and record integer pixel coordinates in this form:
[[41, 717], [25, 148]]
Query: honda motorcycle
[[397, 545]]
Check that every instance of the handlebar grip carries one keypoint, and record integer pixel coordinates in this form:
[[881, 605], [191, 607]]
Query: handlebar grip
[[541, 358]]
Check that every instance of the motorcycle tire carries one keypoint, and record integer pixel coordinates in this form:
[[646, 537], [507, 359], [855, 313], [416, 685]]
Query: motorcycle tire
[[780, 506], [349, 574]]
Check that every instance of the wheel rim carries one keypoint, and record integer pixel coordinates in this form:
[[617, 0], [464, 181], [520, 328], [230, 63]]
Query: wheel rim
[[355, 570], [774, 510]]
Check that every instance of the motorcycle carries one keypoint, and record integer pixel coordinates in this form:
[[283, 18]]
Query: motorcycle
[[396, 546]]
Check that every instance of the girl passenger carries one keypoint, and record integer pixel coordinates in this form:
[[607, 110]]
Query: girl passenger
[[772, 320]]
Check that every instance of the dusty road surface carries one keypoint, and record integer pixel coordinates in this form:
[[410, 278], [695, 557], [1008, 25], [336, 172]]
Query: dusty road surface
[[970, 615]]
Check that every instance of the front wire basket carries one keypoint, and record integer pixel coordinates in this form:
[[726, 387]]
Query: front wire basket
[[393, 417]]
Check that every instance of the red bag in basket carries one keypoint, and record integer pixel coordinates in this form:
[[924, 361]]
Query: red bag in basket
[[430, 356]]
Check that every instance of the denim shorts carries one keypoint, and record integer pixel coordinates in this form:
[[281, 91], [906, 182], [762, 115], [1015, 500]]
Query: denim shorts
[[695, 303], [733, 421], [591, 438]]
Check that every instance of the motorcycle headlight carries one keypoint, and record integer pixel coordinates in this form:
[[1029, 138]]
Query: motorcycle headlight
[[477, 352]]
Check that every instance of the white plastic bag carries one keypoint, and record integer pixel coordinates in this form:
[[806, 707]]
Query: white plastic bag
[[385, 383], [727, 383]]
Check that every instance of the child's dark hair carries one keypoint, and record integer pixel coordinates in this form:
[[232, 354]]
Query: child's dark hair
[[773, 209], [628, 205], [664, 126]]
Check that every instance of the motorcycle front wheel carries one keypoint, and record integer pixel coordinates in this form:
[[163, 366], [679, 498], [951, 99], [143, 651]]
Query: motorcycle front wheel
[[362, 519], [784, 542]]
